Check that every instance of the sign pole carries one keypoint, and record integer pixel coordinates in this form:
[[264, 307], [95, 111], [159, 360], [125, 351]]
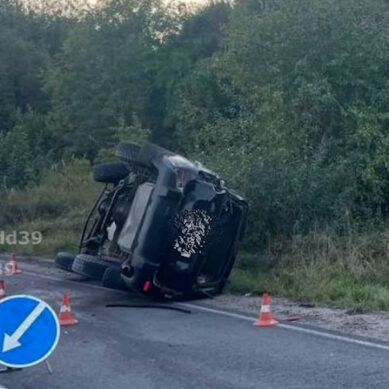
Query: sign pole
[[6, 369], [49, 368]]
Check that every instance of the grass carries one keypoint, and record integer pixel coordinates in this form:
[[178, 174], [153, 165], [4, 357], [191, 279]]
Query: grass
[[339, 292], [57, 207], [342, 271], [349, 271]]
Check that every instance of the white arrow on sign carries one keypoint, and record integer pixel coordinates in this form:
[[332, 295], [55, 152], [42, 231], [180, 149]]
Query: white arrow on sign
[[12, 341]]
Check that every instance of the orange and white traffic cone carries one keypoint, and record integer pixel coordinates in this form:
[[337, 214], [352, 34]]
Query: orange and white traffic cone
[[266, 317], [2, 290], [12, 267], [66, 316]]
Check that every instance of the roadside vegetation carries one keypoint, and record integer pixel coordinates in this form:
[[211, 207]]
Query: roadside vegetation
[[287, 99], [57, 207]]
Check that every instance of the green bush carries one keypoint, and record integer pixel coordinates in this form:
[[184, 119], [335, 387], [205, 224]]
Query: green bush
[[288, 100], [348, 271], [57, 207]]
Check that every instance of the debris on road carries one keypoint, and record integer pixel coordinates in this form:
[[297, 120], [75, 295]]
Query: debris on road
[[154, 306], [292, 318]]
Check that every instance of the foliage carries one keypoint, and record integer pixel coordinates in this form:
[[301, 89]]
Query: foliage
[[103, 77], [302, 127], [349, 271], [288, 99], [57, 207]]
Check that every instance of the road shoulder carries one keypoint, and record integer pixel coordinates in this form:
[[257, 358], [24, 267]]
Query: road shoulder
[[369, 325]]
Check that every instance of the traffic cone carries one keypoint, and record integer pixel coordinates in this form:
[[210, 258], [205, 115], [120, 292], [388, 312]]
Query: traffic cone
[[2, 290], [66, 316], [266, 317], [12, 266]]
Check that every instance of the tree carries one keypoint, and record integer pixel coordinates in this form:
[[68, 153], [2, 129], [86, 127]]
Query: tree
[[186, 94], [306, 133], [103, 77]]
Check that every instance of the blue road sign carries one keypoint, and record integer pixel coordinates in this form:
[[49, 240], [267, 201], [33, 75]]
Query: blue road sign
[[29, 331]]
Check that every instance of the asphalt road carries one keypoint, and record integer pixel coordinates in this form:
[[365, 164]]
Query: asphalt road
[[114, 348]]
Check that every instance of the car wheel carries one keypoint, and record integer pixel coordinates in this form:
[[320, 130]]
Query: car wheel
[[128, 152], [108, 173], [90, 266], [64, 261], [112, 278]]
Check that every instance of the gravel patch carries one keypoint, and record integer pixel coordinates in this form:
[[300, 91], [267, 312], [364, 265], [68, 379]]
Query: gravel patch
[[370, 325]]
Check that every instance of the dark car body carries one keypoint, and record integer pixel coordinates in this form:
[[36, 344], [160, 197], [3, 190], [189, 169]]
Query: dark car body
[[176, 231]]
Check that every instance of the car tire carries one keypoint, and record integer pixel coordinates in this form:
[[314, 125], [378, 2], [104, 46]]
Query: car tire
[[110, 173], [128, 152], [151, 152], [90, 266], [112, 278], [64, 261]]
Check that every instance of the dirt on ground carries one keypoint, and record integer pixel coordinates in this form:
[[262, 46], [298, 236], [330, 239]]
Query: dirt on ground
[[370, 325]]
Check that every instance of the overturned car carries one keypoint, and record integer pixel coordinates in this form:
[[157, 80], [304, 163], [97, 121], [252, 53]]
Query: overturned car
[[162, 226]]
